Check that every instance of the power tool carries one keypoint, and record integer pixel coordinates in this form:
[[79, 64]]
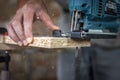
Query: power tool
[[94, 18]]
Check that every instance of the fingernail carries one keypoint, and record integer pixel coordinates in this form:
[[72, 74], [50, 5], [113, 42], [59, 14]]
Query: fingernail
[[29, 40], [25, 43], [57, 28], [20, 43]]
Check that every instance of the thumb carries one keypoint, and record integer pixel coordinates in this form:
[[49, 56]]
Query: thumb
[[45, 18]]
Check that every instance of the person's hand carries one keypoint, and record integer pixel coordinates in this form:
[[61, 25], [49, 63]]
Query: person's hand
[[20, 27]]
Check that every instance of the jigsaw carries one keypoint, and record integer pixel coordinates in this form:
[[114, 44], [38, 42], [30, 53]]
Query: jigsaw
[[94, 18]]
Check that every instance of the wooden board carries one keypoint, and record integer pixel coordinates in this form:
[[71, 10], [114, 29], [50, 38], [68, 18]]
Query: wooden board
[[47, 42]]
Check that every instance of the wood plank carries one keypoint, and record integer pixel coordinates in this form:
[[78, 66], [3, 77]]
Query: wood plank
[[48, 42]]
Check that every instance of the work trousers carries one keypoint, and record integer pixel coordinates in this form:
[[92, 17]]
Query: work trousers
[[96, 63]]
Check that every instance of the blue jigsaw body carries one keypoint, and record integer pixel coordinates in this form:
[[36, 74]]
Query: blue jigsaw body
[[97, 14]]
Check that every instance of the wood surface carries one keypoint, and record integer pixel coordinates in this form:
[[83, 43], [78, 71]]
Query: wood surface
[[46, 42]]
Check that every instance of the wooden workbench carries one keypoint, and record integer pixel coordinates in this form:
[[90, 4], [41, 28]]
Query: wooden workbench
[[45, 42]]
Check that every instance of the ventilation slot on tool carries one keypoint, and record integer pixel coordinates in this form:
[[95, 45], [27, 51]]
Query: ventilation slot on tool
[[118, 9], [100, 8]]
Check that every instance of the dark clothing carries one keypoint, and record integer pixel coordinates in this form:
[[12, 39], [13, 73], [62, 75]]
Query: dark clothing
[[99, 64]]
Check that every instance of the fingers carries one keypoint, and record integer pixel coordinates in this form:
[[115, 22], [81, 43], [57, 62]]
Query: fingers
[[28, 20], [45, 18], [16, 31], [20, 28], [19, 31], [13, 34]]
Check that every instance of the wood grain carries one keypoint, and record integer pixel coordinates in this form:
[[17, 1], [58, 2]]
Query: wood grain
[[48, 42]]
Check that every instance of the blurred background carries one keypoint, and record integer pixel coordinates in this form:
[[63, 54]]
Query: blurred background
[[47, 64], [32, 63]]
